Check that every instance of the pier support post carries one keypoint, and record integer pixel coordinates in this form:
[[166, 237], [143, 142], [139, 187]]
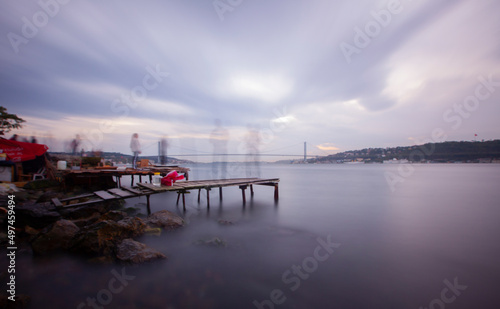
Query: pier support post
[[220, 193], [208, 197], [199, 191], [251, 190], [243, 188], [276, 192], [179, 193], [148, 205]]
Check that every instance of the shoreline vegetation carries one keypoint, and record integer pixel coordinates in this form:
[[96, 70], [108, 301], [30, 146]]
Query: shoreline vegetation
[[446, 152]]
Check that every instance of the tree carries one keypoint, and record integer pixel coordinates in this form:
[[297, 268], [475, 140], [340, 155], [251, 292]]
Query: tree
[[8, 121]]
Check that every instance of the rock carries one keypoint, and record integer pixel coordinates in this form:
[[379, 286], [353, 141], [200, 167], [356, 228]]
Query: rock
[[103, 260], [3, 237], [132, 211], [36, 215], [214, 242], [83, 211], [20, 301], [132, 227], [93, 241], [48, 196], [102, 237], [131, 251], [82, 222], [42, 184], [165, 219], [55, 238], [30, 231], [114, 215], [225, 222], [156, 231]]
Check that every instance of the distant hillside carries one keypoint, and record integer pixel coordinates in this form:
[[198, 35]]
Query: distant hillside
[[118, 157], [434, 152]]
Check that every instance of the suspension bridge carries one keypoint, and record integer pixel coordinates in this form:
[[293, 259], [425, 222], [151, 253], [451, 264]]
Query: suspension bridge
[[265, 153]]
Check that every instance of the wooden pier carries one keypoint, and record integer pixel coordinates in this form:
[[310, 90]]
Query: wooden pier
[[181, 187], [91, 173]]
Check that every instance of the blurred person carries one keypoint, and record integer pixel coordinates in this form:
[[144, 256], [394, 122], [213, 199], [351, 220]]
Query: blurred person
[[13, 137], [74, 144], [135, 146], [219, 138], [163, 150], [252, 142]]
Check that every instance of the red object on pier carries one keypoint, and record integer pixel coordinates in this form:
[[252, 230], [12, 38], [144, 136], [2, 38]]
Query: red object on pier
[[21, 151], [171, 178]]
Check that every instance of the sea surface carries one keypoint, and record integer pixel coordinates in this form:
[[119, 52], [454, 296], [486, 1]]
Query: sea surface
[[340, 236]]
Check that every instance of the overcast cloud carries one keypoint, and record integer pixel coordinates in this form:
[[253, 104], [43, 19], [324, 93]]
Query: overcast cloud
[[340, 75]]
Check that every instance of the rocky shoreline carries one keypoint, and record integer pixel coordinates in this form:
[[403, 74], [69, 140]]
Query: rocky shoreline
[[103, 232]]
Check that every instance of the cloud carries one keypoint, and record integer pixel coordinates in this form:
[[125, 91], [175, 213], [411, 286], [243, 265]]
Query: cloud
[[265, 55], [327, 147]]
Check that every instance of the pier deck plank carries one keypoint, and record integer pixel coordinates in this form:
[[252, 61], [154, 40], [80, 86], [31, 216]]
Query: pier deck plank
[[105, 195], [211, 183], [121, 192], [181, 187]]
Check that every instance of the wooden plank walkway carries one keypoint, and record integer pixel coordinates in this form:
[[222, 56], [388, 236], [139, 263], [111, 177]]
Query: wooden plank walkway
[[118, 173], [182, 187]]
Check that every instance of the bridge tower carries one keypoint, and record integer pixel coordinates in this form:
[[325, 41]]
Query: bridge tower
[[305, 151]]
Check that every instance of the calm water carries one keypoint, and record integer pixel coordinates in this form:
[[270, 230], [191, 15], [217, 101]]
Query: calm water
[[400, 249]]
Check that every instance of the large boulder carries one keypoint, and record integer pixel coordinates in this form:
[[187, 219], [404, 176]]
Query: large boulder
[[56, 237], [131, 251], [36, 215], [83, 222], [114, 215], [102, 237], [84, 211], [165, 219]]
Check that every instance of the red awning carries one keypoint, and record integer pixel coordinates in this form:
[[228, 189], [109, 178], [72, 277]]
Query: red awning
[[20, 151]]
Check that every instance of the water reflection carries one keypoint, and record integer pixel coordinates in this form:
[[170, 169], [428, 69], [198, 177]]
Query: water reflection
[[252, 143], [219, 139], [397, 248]]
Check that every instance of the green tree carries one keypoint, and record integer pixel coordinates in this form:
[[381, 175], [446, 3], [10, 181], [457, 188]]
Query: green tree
[[8, 121]]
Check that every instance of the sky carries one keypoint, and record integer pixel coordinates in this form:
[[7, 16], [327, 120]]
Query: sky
[[339, 75]]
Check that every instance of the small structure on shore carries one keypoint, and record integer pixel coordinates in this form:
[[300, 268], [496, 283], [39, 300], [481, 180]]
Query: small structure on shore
[[21, 162]]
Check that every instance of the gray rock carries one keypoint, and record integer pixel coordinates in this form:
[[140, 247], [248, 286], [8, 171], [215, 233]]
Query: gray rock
[[36, 215], [165, 219], [131, 251], [213, 242], [102, 237], [55, 238]]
